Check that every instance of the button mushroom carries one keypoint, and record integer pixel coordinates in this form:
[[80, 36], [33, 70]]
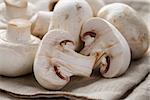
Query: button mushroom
[[69, 15], [130, 24], [40, 23], [17, 48], [96, 5], [46, 5], [12, 9], [113, 53], [56, 61]]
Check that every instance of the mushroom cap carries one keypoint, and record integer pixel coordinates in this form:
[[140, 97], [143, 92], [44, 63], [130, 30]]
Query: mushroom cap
[[107, 41], [69, 15], [56, 61], [17, 51], [17, 3], [42, 18], [8, 12], [96, 5], [48, 5], [130, 24]]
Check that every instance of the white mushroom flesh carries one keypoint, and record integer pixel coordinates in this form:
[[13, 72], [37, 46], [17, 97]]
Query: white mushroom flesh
[[56, 61], [113, 53]]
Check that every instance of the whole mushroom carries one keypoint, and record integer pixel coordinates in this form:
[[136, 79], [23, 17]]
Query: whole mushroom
[[130, 24], [40, 23], [69, 16], [17, 48], [103, 39], [12, 9], [56, 61]]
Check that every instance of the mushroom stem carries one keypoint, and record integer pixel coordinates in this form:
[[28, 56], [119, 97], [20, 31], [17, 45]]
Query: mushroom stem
[[68, 44], [42, 18], [80, 65], [102, 60], [104, 64], [18, 30], [88, 40], [15, 9], [69, 70]]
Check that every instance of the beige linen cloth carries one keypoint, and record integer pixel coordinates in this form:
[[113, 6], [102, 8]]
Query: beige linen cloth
[[133, 85]]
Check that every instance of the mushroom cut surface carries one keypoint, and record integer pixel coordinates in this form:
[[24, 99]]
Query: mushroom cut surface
[[56, 61], [102, 38], [130, 24]]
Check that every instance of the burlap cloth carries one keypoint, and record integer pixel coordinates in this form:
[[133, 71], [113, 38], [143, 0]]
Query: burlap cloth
[[133, 85]]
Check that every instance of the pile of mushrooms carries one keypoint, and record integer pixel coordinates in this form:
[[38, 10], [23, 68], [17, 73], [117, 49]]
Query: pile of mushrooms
[[77, 37]]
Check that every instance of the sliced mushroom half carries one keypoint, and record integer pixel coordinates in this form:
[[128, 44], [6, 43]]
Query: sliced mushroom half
[[103, 39], [56, 61], [130, 24]]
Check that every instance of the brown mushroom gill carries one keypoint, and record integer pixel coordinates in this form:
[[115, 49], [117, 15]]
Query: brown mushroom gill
[[58, 73]]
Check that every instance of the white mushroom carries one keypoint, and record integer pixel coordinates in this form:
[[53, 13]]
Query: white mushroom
[[17, 48], [69, 15], [113, 53], [56, 61], [12, 9], [96, 5], [40, 23], [130, 24], [46, 5]]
